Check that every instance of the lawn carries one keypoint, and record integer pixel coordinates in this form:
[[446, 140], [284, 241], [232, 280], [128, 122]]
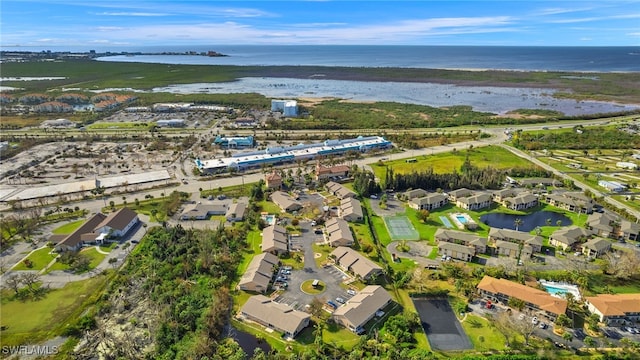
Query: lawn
[[381, 230], [482, 335], [253, 243], [32, 321], [269, 207], [94, 255], [494, 156], [338, 335], [68, 228], [39, 258]]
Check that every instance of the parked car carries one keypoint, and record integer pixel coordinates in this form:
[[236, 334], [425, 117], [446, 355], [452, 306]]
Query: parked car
[[379, 313], [332, 304], [351, 292], [287, 268], [542, 325], [340, 300], [534, 320]]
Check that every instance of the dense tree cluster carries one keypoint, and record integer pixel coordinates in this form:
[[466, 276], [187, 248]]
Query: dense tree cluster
[[586, 138]]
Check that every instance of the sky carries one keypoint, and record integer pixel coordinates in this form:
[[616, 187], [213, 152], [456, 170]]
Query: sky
[[118, 24]]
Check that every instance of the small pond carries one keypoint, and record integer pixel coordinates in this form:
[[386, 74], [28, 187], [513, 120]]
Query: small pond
[[248, 342], [529, 222]]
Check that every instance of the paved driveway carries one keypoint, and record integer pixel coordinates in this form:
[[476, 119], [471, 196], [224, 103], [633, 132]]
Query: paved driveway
[[331, 276]]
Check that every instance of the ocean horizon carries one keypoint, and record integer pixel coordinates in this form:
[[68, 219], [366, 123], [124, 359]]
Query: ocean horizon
[[512, 58]]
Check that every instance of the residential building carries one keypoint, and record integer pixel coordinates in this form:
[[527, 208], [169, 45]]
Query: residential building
[[280, 317], [325, 172], [535, 300], [513, 250], [351, 210], [454, 195], [361, 308], [566, 238], [80, 236], [474, 202], [285, 202], [354, 262], [534, 242], [259, 273], [540, 182], [571, 201], [615, 310], [479, 244], [236, 212], [414, 193], [456, 251], [596, 247], [629, 230], [521, 201], [611, 226], [338, 190], [338, 233], [429, 202], [275, 240], [273, 180]]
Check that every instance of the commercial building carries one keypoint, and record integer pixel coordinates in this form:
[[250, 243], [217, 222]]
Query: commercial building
[[235, 142], [361, 308], [287, 107], [171, 123], [279, 317], [291, 154], [613, 186], [98, 229]]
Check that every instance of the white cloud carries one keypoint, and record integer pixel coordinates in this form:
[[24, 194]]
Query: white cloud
[[121, 13]]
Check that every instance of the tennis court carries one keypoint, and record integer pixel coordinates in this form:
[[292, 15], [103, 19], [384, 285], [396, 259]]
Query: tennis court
[[400, 228]]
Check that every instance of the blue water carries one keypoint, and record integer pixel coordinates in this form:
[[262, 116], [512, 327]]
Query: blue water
[[526, 58], [529, 222], [554, 290], [461, 219]]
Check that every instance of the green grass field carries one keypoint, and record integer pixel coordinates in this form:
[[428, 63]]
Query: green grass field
[[452, 161], [68, 228], [31, 321], [482, 335], [39, 258]]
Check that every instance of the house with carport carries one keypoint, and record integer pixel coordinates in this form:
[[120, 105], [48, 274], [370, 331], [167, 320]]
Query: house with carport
[[338, 233], [285, 202], [596, 247], [351, 210], [275, 240], [259, 273]]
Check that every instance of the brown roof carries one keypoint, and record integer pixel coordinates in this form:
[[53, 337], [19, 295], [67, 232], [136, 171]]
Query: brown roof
[[75, 237], [118, 220], [541, 299], [273, 176], [351, 259], [615, 305], [360, 308]]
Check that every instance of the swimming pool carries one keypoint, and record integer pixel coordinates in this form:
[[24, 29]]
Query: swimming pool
[[269, 219], [559, 289], [462, 219]]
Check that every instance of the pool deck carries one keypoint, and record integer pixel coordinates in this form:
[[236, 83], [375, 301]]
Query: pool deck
[[567, 288]]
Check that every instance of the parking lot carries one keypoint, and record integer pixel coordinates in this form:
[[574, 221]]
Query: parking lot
[[331, 276]]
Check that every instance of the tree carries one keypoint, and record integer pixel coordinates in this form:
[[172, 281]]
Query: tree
[[517, 223], [567, 337], [516, 303], [590, 342], [315, 307], [423, 215], [13, 282], [563, 321], [29, 279]]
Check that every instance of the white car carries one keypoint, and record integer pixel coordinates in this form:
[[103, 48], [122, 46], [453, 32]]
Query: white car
[[521, 317], [534, 320], [351, 292]]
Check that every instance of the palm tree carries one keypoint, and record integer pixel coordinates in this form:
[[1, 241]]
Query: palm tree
[[517, 222]]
